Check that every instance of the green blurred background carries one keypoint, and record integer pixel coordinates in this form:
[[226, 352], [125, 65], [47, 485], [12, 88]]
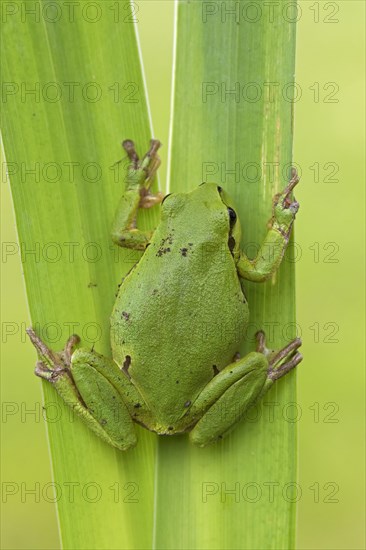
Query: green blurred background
[[329, 148]]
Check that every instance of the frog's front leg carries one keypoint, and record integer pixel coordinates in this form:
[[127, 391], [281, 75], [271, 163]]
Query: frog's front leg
[[140, 175], [274, 246], [221, 405], [95, 388]]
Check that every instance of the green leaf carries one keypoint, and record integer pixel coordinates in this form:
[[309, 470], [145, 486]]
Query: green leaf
[[73, 91], [228, 129]]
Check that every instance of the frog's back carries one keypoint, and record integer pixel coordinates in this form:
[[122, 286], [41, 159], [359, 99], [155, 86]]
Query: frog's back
[[180, 315]]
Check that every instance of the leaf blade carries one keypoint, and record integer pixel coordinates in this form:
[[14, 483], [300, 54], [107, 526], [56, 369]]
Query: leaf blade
[[224, 132], [73, 273]]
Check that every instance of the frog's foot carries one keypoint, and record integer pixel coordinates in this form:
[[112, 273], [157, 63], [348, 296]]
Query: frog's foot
[[285, 207], [282, 361], [146, 168], [53, 364], [92, 386]]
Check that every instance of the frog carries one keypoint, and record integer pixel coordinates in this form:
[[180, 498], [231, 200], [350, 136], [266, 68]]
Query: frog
[[179, 317]]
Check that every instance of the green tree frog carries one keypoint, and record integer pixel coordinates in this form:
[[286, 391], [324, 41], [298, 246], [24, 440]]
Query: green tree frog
[[179, 317]]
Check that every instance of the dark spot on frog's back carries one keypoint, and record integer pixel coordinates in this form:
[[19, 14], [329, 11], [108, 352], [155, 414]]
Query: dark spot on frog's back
[[126, 365], [184, 251], [125, 315], [162, 251]]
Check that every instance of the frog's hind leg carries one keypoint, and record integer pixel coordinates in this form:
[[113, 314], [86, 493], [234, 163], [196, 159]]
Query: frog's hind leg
[[93, 386], [221, 405]]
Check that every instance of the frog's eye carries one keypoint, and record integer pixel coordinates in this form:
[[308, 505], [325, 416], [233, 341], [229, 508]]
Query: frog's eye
[[232, 216], [166, 196]]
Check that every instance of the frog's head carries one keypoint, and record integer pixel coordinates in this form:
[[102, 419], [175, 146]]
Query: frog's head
[[206, 212]]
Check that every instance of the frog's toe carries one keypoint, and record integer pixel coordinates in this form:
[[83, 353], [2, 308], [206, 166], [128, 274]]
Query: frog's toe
[[281, 362], [284, 198], [293, 181], [129, 146], [69, 347], [43, 371], [261, 344]]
